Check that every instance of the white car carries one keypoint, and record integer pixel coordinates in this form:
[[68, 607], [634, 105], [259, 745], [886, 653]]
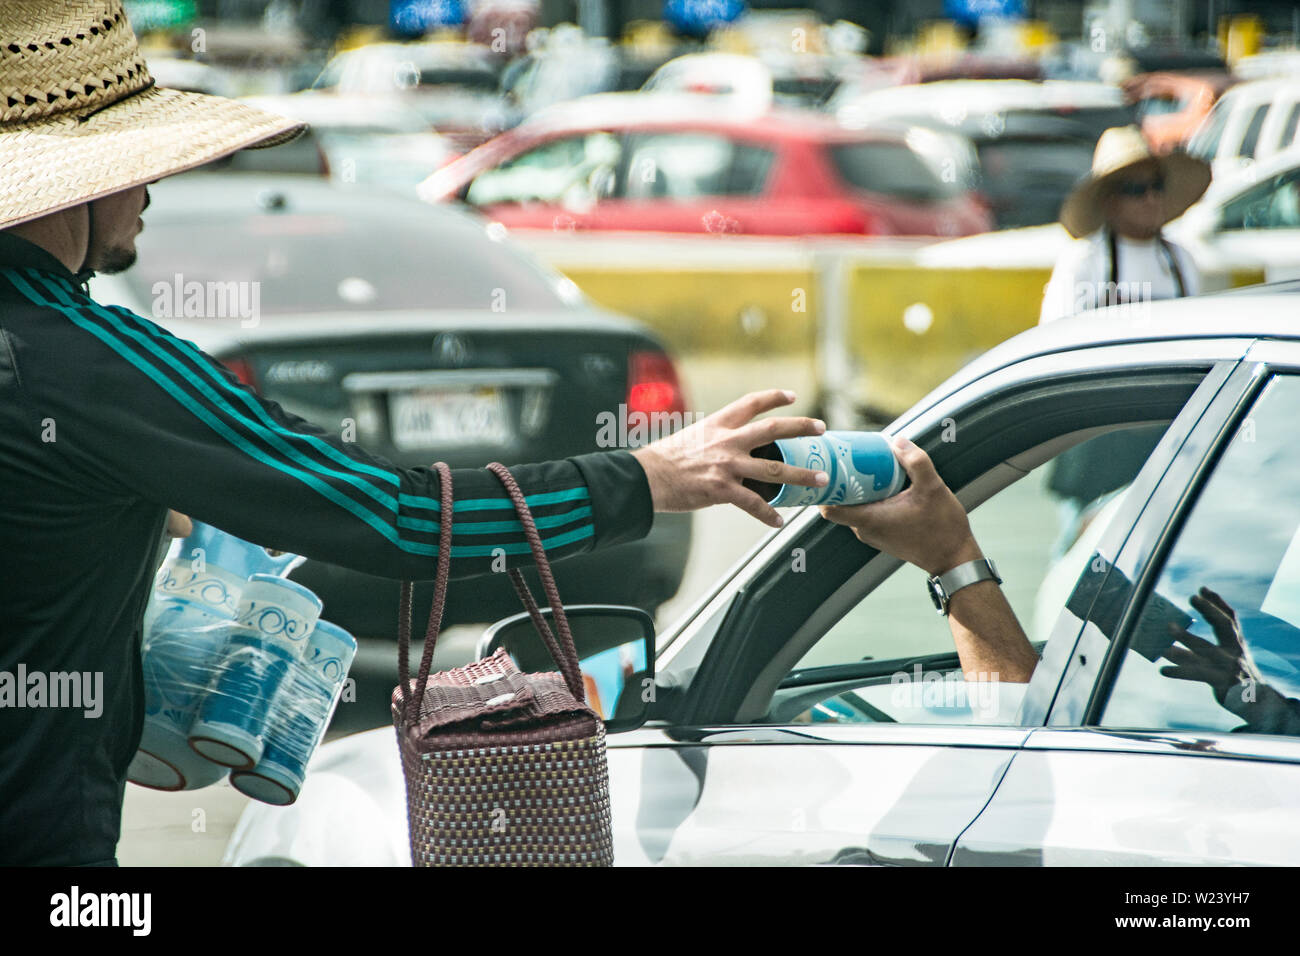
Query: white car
[[1250, 123], [1246, 228], [806, 716]]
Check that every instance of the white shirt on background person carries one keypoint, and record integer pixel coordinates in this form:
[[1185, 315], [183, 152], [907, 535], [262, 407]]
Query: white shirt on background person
[[1082, 278]]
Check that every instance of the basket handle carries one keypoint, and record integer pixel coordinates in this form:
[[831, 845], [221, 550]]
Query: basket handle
[[435, 613], [562, 650]]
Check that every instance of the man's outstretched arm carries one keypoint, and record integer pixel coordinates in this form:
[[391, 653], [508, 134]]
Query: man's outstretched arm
[[926, 525]]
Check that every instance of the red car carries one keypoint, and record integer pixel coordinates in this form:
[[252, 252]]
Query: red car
[[704, 163]]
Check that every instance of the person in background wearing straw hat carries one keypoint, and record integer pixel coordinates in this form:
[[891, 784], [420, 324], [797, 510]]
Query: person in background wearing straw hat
[[1115, 215], [107, 421], [1119, 258]]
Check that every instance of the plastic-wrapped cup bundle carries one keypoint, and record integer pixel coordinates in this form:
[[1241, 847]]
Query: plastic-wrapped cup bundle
[[196, 594], [861, 466], [301, 714], [179, 655], [276, 617]]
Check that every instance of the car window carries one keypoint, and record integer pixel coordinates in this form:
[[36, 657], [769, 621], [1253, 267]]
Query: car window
[[892, 169], [1271, 204], [691, 165], [1205, 142], [1289, 128], [1039, 531], [1251, 138], [573, 171], [1228, 593]]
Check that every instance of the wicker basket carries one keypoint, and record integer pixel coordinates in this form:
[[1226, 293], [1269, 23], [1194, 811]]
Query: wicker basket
[[502, 768]]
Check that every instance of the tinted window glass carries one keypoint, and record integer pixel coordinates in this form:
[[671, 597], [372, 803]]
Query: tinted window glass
[[1288, 130], [1205, 142], [1251, 139], [1027, 179], [892, 169], [688, 166], [574, 171], [1217, 643], [1273, 204]]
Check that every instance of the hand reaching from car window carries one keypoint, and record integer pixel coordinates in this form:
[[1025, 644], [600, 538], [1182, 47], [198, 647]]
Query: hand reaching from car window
[[926, 525], [1228, 669], [705, 463]]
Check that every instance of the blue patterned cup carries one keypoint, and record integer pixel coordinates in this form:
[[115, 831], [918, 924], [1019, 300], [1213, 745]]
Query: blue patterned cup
[[178, 661], [270, 632], [302, 712], [861, 466]]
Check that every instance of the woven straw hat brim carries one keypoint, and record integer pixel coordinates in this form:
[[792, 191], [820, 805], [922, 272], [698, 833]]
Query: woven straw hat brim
[[71, 158], [1186, 179]]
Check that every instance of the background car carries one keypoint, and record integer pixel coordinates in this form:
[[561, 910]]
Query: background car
[[452, 85], [352, 139], [424, 333], [1033, 140], [1250, 122], [814, 711], [681, 163]]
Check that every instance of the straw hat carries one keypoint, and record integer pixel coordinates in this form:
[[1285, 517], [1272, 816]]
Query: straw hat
[[1118, 149], [80, 117]]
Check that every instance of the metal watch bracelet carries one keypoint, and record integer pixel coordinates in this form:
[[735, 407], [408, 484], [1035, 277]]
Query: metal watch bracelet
[[943, 586]]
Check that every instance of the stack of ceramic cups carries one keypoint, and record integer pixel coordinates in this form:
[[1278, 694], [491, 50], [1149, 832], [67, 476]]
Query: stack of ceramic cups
[[196, 595], [306, 703], [269, 634]]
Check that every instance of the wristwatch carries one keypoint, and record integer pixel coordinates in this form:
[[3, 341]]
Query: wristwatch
[[943, 586]]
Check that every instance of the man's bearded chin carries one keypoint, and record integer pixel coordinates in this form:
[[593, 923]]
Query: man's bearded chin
[[112, 261]]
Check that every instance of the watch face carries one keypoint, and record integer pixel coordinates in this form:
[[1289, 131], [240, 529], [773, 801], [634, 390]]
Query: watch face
[[937, 594]]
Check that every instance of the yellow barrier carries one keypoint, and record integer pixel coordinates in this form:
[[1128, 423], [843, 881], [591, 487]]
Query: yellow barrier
[[880, 336], [912, 327]]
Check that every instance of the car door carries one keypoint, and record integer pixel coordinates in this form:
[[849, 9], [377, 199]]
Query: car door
[[778, 741], [1156, 753]]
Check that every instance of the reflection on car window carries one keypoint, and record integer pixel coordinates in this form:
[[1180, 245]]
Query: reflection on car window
[[1272, 204], [1217, 644], [1251, 139], [1205, 143], [1040, 531], [892, 169], [574, 171], [688, 166]]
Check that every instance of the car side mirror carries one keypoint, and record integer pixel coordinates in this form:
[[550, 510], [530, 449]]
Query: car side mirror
[[616, 653]]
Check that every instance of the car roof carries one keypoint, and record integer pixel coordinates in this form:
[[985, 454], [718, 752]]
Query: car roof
[[1261, 91], [605, 110], [1270, 313], [989, 96]]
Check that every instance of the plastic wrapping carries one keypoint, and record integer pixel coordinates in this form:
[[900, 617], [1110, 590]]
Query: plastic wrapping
[[239, 673]]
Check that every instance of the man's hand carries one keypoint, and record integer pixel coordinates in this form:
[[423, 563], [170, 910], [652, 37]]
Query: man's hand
[[924, 525], [705, 463], [1227, 666], [178, 525]]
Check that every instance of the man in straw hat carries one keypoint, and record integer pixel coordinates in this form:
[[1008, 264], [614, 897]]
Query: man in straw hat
[[1119, 258], [107, 421], [1115, 214]]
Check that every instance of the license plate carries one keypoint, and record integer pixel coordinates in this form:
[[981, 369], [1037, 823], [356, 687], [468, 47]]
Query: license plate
[[431, 418]]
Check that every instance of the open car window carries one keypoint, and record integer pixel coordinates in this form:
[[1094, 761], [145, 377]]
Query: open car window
[[891, 657]]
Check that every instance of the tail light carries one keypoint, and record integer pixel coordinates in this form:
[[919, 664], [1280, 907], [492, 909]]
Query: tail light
[[243, 371], [652, 384]]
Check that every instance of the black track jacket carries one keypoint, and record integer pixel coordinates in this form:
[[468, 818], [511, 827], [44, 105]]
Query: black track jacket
[[107, 420]]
